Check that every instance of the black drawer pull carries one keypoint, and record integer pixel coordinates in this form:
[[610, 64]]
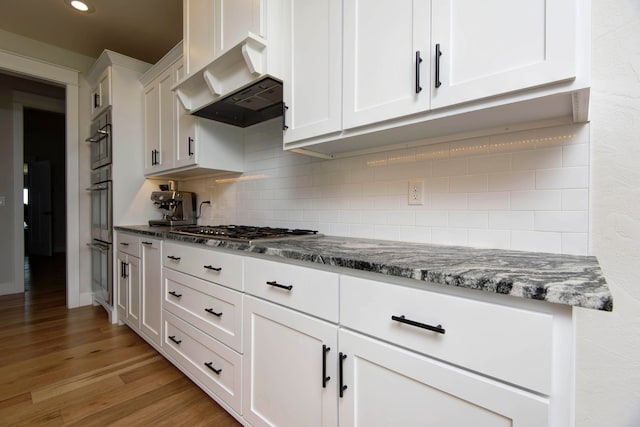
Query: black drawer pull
[[175, 294], [147, 243], [278, 285], [124, 244], [174, 258], [325, 378], [210, 366], [173, 338], [439, 329], [343, 386], [418, 62], [210, 310], [438, 83], [210, 267]]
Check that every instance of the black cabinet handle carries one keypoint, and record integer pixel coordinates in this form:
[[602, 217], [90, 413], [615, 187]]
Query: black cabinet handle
[[147, 243], [210, 267], [174, 258], [210, 310], [438, 55], [343, 386], [124, 244], [418, 62], [278, 285], [126, 269], [402, 319], [96, 100], [325, 378], [122, 270], [175, 294], [190, 140], [173, 338], [284, 116], [210, 366]]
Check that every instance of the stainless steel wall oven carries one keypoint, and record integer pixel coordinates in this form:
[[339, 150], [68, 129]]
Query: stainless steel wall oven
[[101, 209]]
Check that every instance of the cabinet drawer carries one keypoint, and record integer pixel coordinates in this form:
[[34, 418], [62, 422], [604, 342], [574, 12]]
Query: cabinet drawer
[[214, 309], [209, 264], [212, 364], [129, 244], [311, 291], [512, 344]]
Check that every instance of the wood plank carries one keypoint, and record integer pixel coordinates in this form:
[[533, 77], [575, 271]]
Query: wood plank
[[62, 367]]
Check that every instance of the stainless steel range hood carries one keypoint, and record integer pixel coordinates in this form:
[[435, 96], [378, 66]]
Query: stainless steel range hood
[[258, 102], [239, 87]]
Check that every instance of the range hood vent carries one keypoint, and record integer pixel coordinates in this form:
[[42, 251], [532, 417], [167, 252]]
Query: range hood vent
[[238, 87], [258, 102]]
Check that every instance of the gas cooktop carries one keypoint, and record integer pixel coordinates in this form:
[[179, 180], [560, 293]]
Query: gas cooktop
[[242, 233]]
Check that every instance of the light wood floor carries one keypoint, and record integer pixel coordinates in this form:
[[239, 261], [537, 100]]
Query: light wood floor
[[62, 367]]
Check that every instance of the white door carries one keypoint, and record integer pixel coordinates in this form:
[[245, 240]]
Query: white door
[[389, 386], [283, 367], [132, 272], [499, 46], [383, 78], [152, 154], [40, 210], [185, 142], [151, 289], [166, 101], [313, 80]]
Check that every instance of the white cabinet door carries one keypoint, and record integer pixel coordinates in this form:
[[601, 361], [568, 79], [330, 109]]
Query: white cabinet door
[[152, 154], [151, 289], [132, 273], [198, 30], [283, 367], [101, 93], [234, 20], [389, 386], [313, 79], [185, 143], [382, 75], [499, 46], [122, 286]]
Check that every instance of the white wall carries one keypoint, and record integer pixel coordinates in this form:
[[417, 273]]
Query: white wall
[[608, 345], [525, 190]]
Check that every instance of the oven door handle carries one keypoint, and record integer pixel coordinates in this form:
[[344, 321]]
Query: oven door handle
[[101, 248], [98, 187]]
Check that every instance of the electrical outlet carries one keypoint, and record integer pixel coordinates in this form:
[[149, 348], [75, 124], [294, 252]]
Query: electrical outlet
[[416, 188]]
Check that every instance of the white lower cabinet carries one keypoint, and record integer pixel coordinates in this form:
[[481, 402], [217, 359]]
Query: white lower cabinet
[[151, 289], [128, 300], [385, 385], [212, 364], [289, 367]]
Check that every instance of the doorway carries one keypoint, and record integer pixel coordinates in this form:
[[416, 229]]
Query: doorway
[[44, 198]]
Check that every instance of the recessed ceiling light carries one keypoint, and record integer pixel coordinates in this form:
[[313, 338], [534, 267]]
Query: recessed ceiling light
[[80, 6]]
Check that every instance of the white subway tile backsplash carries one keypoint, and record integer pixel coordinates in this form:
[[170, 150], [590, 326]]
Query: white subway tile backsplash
[[574, 177], [526, 190], [575, 200], [511, 220], [536, 241], [469, 219], [515, 180], [569, 221], [538, 159], [536, 200], [469, 184]]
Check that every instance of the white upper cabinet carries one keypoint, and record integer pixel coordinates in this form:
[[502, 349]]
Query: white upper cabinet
[[313, 69], [493, 64], [101, 93], [383, 74], [211, 27], [498, 46], [159, 133]]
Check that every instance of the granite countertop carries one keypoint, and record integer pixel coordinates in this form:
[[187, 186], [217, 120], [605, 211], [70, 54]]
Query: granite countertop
[[563, 279]]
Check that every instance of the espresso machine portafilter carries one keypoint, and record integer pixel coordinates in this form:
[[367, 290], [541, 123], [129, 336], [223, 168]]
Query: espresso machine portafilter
[[177, 207]]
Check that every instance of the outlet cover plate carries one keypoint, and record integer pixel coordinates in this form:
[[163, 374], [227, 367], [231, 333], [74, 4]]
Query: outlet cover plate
[[416, 190]]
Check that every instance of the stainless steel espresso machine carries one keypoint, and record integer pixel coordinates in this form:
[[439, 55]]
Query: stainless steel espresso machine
[[178, 207]]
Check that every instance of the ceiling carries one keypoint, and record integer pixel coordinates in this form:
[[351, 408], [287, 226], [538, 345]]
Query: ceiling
[[142, 29]]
